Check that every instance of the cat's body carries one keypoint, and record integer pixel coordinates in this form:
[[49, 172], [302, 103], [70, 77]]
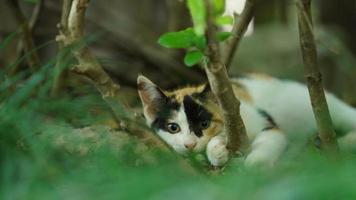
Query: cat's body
[[276, 114], [289, 104]]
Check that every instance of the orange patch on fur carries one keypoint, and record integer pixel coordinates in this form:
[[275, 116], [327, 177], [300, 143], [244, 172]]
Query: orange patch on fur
[[214, 128], [179, 94], [241, 93]]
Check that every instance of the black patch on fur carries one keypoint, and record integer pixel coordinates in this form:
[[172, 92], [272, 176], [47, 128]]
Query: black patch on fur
[[165, 112], [159, 123], [172, 103], [271, 123], [195, 114], [269, 127]]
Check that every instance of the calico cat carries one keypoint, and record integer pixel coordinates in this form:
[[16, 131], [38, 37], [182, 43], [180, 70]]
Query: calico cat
[[276, 114]]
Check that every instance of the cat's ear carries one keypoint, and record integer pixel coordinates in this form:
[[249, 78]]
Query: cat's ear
[[151, 95]]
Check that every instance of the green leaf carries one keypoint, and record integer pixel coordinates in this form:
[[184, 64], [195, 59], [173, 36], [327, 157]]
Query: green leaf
[[200, 42], [198, 13], [192, 58], [219, 6], [224, 20], [222, 36], [181, 39], [32, 1]]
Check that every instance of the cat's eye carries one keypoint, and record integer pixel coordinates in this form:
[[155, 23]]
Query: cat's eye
[[205, 124], [173, 127]]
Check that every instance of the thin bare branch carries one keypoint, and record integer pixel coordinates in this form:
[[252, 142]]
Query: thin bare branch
[[67, 4], [241, 23], [35, 14], [59, 69], [33, 59], [32, 24]]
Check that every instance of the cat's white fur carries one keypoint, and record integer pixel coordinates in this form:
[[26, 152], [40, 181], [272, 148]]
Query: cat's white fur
[[185, 140], [216, 150], [266, 147], [289, 104], [262, 151]]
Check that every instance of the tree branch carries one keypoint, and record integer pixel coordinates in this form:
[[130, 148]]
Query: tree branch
[[27, 38], [222, 89], [35, 14], [240, 26], [59, 69], [314, 78]]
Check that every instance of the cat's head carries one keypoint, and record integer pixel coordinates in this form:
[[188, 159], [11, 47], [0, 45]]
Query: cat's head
[[186, 118]]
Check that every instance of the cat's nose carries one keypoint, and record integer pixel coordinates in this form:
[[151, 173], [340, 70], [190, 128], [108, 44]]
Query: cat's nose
[[190, 146]]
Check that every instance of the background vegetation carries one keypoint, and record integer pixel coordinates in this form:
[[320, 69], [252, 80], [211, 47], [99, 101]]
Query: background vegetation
[[69, 147]]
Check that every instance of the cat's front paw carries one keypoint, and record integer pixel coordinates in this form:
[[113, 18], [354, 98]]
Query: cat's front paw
[[217, 152]]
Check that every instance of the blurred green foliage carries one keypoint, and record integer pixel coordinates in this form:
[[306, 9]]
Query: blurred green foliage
[[198, 14]]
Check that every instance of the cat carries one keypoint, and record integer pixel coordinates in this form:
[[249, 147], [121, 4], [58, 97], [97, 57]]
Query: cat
[[277, 115]]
